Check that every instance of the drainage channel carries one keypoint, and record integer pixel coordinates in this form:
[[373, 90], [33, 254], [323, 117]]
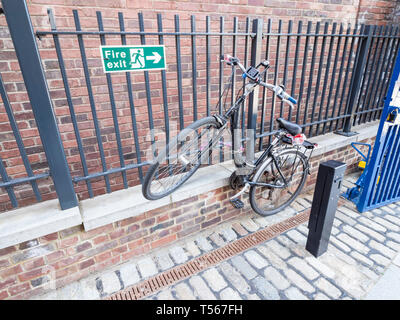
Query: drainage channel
[[181, 272]]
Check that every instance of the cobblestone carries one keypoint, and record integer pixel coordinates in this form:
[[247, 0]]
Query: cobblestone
[[229, 234], [265, 289], [234, 278], [192, 249], [243, 267], [214, 279], [110, 283], [229, 294], [178, 254], [298, 280], [295, 294], [280, 250], [302, 267], [201, 289], [387, 224], [184, 292], [255, 259], [273, 276], [383, 249], [328, 288], [147, 267], [371, 233], [129, 274], [249, 225], [355, 244], [164, 261], [204, 244]]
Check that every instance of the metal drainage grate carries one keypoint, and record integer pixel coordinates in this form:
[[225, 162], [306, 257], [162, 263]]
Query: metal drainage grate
[[178, 273]]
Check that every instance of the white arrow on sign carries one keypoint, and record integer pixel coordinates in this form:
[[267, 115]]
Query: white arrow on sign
[[156, 57]]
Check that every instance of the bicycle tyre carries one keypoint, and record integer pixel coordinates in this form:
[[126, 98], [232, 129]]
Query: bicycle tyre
[[184, 134], [268, 163]]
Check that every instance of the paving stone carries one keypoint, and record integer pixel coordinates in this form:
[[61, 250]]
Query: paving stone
[[183, 292], [302, 267], [393, 245], [389, 209], [328, 288], [239, 229], [272, 258], [396, 260], [228, 234], [165, 294], [392, 219], [201, 289], [296, 206], [321, 296], [383, 249], [243, 267], [71, 291], [355, 233], [273, 276], [378, 258], [214, 279], [334, 240], [304, 203], [360, 257], [192, 249], [178, 254], [214, 237], [110, 283], [371, 233], [204, 244], [355, 244], [387, 286], [265, 289], [375, 226], [147, 267], [229, 294], [351, 213], [261, 221], [296, 236], [280, 250], [298, 280], [321, 267], [344, 218], [129, 275], [294, 294], [164, 261], [249, 225], [303, 229], [394, 235], [255, 259], [252, 296], [234, 277], [387, 224], [89, 289]]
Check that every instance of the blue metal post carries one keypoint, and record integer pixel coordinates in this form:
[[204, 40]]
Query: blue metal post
[[21, 30]]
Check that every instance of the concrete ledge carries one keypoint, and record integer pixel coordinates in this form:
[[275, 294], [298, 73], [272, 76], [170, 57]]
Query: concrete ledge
[[35, 221], [38, 220]]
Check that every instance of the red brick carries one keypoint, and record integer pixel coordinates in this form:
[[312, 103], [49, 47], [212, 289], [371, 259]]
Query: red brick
[[3, 295], [19, 288]]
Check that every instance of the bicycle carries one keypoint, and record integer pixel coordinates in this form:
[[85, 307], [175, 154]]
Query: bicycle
[[275, 178]]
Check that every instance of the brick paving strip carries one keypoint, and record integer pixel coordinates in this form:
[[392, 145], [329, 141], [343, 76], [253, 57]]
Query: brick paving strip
[[194, 266]]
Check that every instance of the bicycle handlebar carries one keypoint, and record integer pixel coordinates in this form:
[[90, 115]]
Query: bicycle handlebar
[[279, 91]]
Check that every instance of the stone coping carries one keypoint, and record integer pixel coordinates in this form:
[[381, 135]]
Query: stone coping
[[44, 218]]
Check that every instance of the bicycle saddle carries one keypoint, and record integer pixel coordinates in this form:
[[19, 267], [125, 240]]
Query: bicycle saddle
[[292, 128]]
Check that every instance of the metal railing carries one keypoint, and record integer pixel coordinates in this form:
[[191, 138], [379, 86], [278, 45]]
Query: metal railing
[[339, 75]]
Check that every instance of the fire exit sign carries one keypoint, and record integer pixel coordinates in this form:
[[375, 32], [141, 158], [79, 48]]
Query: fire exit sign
[[132, 58]]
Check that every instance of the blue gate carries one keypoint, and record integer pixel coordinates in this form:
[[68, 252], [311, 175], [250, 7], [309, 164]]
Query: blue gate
[[380, 182]]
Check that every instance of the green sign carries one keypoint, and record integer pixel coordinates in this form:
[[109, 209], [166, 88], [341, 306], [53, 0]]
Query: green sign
[[131, 58]]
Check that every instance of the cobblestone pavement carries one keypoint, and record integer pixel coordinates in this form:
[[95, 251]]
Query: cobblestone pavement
[[362, 262]]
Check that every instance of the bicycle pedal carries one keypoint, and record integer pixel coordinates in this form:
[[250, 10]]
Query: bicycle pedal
[[237, 203]]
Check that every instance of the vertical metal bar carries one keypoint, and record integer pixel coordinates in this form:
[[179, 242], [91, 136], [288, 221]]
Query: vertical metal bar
[[347, 73], [194, 67], [328, 65], [18, 140], [276, 74], [332, 83], [246, 58], [320, 66], [285, 69], [366, 96], [388, 73], [208, 59], [23, 37], [357, 72], [303, 70], [69, 101], [10, 191], [131, 101], [148, 91], [296, 60], [265, 90], [179, 72], [379, 71], [395, 167], [164, 83], [310, 77], [253, 97], [112, 103], [91, 99], [221, 63], [233, 88], [337, 91]]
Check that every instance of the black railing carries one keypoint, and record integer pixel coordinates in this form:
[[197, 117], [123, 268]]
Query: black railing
[[338, 73]]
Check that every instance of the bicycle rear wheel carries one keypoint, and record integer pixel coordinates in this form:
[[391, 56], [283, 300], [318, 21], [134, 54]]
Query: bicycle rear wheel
[[181, 158], [268, 200]]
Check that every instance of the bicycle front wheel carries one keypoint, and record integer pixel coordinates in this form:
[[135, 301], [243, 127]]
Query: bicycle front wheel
[[278, 182], [181, 158]]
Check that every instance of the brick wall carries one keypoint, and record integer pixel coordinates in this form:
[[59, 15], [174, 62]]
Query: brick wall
[[72, 254]]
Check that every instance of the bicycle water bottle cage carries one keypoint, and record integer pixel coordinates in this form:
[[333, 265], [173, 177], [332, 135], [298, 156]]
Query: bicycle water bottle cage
[[252, 73]]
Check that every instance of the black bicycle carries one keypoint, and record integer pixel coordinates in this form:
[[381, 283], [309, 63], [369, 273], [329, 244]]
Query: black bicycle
[[275, 178]]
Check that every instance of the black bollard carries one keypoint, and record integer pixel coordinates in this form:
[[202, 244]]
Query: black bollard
[[326, 196]]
